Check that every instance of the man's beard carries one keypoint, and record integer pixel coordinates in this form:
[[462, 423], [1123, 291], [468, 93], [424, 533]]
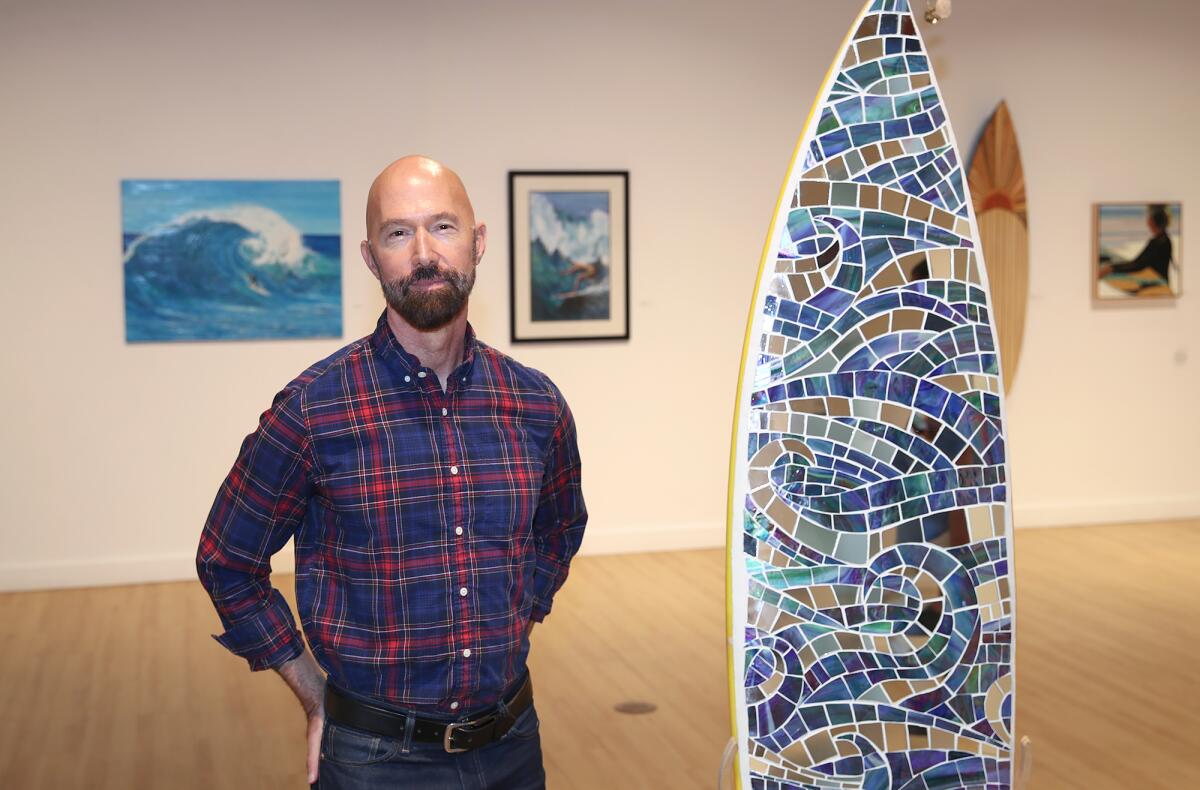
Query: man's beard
[[430, 309]]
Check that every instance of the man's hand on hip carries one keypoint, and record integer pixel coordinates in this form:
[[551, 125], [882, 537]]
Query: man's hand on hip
[[307, 682], [316, 727]]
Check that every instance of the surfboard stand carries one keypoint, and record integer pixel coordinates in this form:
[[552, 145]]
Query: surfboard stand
[[1024, 763]]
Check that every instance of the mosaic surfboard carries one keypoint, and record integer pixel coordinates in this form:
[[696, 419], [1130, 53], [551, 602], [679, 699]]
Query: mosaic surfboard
[[870, 590]]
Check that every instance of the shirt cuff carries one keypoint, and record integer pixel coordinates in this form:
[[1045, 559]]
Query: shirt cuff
[[266, 639], [545, 584]]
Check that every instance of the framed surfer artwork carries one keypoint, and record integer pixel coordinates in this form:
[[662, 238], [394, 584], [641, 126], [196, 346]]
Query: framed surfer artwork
[[231, 260], [569, 252], [1137, 251]]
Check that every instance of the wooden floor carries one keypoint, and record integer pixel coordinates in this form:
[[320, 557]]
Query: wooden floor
[[123, 688]]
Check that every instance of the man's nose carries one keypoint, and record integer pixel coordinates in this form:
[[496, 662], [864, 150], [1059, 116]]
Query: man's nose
[[422, 246]]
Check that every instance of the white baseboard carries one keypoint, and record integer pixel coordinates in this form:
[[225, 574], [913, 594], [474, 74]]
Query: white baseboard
[[61, 574]]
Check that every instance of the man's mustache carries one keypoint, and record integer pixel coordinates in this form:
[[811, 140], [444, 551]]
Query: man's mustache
[[427, 273]]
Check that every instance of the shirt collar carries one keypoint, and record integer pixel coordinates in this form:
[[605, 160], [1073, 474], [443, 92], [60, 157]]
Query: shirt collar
[[388, 347]]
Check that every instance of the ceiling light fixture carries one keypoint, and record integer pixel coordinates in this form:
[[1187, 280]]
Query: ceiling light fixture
[[937, 10]]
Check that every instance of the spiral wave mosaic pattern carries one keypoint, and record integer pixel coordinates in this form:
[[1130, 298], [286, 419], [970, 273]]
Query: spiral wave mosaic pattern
[[874, 565]]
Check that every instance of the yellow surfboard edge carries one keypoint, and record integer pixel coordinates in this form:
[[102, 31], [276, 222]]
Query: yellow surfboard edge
[[810, 124]]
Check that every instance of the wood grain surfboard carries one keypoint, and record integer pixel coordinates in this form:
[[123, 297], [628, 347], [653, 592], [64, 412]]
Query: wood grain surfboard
[[997, 183]]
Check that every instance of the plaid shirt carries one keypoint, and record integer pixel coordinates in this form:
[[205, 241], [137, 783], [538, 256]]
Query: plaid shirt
[[430, 526]]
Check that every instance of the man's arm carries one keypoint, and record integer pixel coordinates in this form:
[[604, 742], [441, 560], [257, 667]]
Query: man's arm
[[255, 512], [561, 516]]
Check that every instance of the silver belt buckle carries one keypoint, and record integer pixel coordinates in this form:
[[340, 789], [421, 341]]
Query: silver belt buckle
[[449, 735], [455, 725]]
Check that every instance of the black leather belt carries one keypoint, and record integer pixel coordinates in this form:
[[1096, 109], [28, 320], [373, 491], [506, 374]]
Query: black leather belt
[[458, 736]]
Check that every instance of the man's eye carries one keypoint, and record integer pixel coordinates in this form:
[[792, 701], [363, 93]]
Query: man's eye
[[444, 226], [398, 232]]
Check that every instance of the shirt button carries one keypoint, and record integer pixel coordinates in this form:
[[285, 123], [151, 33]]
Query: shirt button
[[458, 530], [408, 378], [445, 412], [462, 591], [421, 374], [454, 470], [453, 706], [467, 653]]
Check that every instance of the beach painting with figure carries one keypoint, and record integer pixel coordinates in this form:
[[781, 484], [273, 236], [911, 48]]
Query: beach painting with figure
[[231, 260], [569, 255], [1137, 251]]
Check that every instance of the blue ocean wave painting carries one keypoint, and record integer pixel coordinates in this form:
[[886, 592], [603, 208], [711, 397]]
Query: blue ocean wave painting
[[231, 260]]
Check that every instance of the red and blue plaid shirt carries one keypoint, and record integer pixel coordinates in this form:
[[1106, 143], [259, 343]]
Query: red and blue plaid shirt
[[430, 526]]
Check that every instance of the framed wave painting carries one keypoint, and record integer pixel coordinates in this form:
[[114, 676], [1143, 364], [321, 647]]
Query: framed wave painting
[[231, 260], [569, 247]]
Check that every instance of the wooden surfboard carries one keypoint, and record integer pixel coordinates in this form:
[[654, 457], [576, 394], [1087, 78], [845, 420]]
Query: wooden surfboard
[[997, 184], [870, 595]]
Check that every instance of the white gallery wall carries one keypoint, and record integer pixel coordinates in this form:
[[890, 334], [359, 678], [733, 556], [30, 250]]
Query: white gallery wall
[[112, 452]]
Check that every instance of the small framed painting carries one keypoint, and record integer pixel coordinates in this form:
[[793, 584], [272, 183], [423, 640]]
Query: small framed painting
[[569, 252], [1137, 251]]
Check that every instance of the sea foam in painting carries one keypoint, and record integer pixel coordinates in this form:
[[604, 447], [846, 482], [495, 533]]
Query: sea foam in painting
[[231, 260]]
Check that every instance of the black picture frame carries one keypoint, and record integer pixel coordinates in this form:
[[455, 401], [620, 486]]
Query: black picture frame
[[568, 233]]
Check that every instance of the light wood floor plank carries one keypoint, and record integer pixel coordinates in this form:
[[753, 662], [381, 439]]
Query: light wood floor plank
[[123, 688]]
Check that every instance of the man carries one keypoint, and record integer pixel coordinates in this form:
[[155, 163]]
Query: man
[[431, 484]]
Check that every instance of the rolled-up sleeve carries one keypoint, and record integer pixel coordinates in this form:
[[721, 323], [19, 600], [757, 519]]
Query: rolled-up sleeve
[[256, 511], [561, 515]]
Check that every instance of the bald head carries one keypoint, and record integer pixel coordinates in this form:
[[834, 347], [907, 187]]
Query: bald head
[[416, 185]]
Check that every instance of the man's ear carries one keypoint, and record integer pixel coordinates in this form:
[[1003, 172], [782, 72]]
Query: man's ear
[[369, 258], [480, 241]]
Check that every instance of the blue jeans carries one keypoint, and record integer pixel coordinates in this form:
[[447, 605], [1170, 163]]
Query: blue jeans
[[353, 759]]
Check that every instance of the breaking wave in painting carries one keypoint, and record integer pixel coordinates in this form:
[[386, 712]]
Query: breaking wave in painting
[[231, 273]]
